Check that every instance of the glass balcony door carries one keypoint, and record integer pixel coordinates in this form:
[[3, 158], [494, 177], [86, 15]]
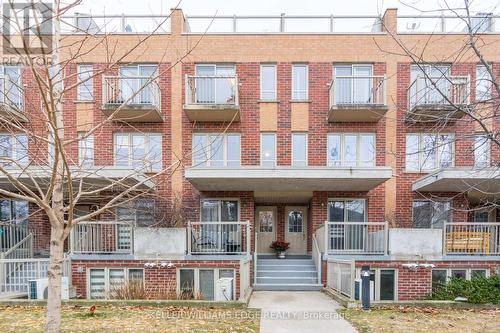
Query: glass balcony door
[[11, 90], [133, 78], [432, 84], [353, 84], [215, 84]]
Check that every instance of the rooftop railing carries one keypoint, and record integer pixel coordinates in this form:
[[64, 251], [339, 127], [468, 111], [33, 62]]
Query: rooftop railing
[[283, 24], [116, 24], [428, 24]]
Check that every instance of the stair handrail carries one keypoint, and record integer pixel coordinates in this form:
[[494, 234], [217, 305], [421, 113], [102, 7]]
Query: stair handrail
[[28, 239], [317, 254], [255, 258]]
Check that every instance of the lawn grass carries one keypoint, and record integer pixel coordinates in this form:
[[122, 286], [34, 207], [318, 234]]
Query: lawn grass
[[424, 319], [108, 318]]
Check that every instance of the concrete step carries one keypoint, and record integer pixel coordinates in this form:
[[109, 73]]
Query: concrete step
[[288, 287], [285, 273], [287, 280], [300, 267], [285, 262]]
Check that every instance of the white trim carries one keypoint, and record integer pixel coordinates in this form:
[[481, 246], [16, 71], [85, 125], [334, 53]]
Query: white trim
[[210, 137], [436, 147], [306, 79], [468, 271], [365, 200], [147, 149], [342, 136], [275, 147], [219, 207], [106, 269], [87, 69], [377, 280], [197, 270], [275, 81], [432, 201], [306, 134]]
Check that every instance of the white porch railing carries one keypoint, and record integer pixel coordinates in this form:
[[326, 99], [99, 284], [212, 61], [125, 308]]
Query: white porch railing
[[16, 241], [358, 90], [471, 238], [141, 91], [316, 255], [443, 90], [340, 276], [356, 237], [11, 93], [218, 237], [104, 237], [244, 277], [212, 90]]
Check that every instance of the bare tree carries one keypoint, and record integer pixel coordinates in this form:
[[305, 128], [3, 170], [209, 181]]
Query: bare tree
[[44, 158]]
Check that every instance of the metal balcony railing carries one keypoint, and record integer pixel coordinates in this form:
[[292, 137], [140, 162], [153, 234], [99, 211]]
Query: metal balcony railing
[[134, 91], [218, 238], [102, 237], [356, 237], [358, 90], [11, 94], [212, 90], [438, 91], [471, 238]]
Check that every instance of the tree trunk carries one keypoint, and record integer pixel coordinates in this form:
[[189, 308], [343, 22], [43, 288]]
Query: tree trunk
[[54, 275]]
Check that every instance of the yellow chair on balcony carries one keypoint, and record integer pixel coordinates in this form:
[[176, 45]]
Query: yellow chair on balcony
[[468, 242]]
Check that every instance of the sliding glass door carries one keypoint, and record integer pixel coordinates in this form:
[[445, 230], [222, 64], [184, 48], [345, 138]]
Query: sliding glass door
[[342, 235]]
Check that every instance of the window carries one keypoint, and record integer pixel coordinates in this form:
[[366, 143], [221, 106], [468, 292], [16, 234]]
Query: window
[[485, 215], [12, 93], [266, 221], [85, 83], [438, 278], [140, 212], [104, 282], [140, 151], [431, 86], [431, 214], [483, 83], [347, 210], [295, 221], [351, 149], [441, 276], [425, 152], [383, 284], [14, 211], [216, 150], [85, 149], [300, 82], [200, 282], [481, 151], [299, 149], [214, 210], [353, 84], [268, 149], [342, 235], [136, 85], [268, 82], [14, 150], [215, 84]]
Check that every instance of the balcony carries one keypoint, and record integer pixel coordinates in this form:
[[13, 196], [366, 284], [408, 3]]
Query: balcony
[[471, 238], [357, 99], [218, 238], [132, 99], [250, 178], [355, 237], [11, 101], [212, 98], [102, 237], [432, 99]]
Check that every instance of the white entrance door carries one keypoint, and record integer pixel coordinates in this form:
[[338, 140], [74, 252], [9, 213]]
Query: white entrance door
[[265, 220], [296, 229]]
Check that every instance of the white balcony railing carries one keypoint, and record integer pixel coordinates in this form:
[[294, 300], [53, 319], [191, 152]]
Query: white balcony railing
[[356, 237], [14, 239], [103, 237], [140, 91], [11, 94], [212, 90], [358, 90], [471, 238], [218, 238], [444, 90]]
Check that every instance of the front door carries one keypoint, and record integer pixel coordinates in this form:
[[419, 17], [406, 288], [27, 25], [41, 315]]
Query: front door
[[266, 228], [296, 229]]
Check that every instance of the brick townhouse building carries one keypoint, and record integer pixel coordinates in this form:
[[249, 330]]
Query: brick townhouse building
[[322, 134]]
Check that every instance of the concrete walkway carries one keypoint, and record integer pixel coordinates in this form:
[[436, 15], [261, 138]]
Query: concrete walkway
[[298, 311]]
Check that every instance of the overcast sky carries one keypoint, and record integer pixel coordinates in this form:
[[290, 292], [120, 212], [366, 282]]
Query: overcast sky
[[275, 7]]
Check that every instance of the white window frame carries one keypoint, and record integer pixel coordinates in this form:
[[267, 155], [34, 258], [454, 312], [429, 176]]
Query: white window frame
[[482, 96], [85, 79], [219, 207], [13, 140], [208, 161], [377, 280], [19, 83], [345, 220], [492, 214], [106, 277], [86, 149], [307, 83], [275, 148], [196, 286], [306, 152], [358, 149], [486, 142], [275, 92], [420, 152], [440, 200], [147, 150], [468, 271]]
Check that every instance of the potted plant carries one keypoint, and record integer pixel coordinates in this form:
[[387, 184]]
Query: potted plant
[[280, 248]]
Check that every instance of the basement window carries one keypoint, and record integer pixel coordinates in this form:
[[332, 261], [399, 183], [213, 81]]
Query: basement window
[[105, 282], [200, 283]]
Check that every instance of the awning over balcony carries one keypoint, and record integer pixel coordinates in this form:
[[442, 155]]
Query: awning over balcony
[[287, 178], [93, 178], [485, 181]]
